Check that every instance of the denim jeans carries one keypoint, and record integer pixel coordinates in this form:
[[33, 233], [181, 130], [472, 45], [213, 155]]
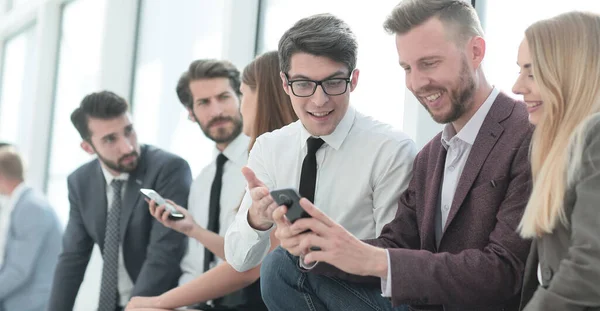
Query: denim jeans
[[285, 287]]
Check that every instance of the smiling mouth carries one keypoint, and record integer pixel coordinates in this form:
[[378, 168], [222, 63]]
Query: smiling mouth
[[533, 104], [320, 114]]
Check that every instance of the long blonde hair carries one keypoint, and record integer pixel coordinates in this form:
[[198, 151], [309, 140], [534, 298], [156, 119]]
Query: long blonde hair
[[565, 52]]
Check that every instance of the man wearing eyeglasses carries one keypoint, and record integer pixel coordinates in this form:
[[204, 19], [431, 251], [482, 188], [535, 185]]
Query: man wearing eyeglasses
[[350, 165]]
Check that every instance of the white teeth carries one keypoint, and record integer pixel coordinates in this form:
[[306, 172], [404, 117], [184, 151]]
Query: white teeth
[[533, 104], [433, 97], [320, 114]]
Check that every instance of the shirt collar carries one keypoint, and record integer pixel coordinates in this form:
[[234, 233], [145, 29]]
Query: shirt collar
[[469, 132], [236, 151], [109, 177], [338, 136]]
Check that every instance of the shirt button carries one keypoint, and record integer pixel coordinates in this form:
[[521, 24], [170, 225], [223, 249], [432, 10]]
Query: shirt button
[[451, 167], [446, 207]]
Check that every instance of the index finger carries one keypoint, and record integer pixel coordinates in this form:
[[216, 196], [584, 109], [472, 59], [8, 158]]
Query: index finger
[[316, 213]]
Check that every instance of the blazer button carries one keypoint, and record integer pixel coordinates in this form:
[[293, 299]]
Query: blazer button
[[546, 274]]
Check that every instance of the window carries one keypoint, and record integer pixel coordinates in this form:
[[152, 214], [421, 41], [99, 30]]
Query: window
[[380, 90], [172, 35], [504, 36], [16, 100], [78, 74]]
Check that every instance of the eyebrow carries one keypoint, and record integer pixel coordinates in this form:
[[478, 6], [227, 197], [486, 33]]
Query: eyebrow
[[422, 59], [526, 66], [303, 77], [218, 95], [127, 127]]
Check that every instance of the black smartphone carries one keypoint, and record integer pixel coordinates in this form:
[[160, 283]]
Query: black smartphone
[[290, 198]]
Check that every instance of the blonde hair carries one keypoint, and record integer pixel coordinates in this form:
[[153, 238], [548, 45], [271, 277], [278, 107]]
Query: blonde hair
[[565, 52], [11, 165]]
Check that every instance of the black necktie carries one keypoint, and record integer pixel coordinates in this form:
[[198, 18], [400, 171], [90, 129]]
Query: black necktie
[[109, 289], [308, 177], [214, 207]]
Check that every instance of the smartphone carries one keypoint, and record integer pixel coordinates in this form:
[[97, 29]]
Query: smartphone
[[153, 195], [290, 198]]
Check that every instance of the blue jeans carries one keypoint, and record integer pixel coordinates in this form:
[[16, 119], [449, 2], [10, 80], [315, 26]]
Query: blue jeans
[[285, 287]]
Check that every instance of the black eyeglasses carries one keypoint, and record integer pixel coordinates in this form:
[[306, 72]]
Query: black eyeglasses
[[306, 88]]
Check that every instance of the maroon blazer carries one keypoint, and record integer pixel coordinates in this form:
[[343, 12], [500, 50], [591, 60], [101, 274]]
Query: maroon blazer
[[480, 260]]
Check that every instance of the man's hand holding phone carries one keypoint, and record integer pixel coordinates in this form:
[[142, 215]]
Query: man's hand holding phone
[[260, 214]]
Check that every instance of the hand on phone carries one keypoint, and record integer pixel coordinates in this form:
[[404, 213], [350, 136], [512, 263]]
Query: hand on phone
[[291, 199], [185, 225], [150, 194]]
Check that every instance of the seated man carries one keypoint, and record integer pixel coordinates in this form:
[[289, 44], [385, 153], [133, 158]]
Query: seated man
[[453, 244], [334, 155], [140, 256], [30, 236]]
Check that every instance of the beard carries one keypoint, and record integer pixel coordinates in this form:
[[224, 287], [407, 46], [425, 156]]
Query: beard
[[119, 166], [223, 135], [461, 97]]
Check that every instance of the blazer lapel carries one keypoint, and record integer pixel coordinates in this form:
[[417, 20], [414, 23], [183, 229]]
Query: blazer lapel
[[432, 198], [489, 133], [132, 193], [98, 206]]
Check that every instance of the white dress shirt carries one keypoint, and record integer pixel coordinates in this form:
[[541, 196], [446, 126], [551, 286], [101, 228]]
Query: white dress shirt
[[232, 192], [362, 168], [125, 283], [8, 205], [458, 146]]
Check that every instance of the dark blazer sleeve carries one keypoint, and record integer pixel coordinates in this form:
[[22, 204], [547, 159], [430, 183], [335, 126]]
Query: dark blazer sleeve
[[161, 269], [74, 258], [423, 277], [576, 283]]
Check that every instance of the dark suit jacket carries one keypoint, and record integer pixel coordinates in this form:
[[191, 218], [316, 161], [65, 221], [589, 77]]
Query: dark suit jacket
[[480, 260], [569, 258], [151, 251]]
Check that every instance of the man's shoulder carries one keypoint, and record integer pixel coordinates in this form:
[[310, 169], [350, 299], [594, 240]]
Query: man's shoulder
[[33, 204], [84, 171], [279, 136], [377, 130]]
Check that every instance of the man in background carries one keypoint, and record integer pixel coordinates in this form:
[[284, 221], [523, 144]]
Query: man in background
[[30, 236]]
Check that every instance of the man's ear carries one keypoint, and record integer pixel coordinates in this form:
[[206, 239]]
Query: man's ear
[[284, 83], [191, 115], [87, 147], [476, 48], [354, 81]]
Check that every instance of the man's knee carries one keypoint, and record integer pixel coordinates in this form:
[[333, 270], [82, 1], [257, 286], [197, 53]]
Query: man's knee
[[275, 269]]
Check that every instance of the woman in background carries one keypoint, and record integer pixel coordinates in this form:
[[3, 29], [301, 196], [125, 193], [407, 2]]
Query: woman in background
[[264, 107], [560, 82]]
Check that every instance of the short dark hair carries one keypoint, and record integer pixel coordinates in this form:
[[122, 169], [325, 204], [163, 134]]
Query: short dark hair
[[183, 90], [319, 35], [207, 69], [103, 105], [459, 15]]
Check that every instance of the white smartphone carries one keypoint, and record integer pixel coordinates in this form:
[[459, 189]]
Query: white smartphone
[[153, 195]]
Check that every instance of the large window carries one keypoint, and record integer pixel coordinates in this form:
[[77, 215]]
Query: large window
[[503, 35], [78, 74], [380, 91], [16, 100], [172, 35]]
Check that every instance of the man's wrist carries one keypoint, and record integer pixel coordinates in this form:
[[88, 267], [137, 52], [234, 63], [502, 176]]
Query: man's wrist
[[256, 225], [378, 263]]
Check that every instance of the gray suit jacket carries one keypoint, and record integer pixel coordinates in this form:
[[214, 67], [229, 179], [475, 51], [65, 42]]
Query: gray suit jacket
[[151, 251], [32, 248], [569, 258]]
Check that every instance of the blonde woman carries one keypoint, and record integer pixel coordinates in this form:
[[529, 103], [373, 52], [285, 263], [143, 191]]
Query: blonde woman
[[560, 82]]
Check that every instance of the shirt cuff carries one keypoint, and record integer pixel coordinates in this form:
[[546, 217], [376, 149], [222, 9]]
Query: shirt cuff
[[251, 233], [386, 283]]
